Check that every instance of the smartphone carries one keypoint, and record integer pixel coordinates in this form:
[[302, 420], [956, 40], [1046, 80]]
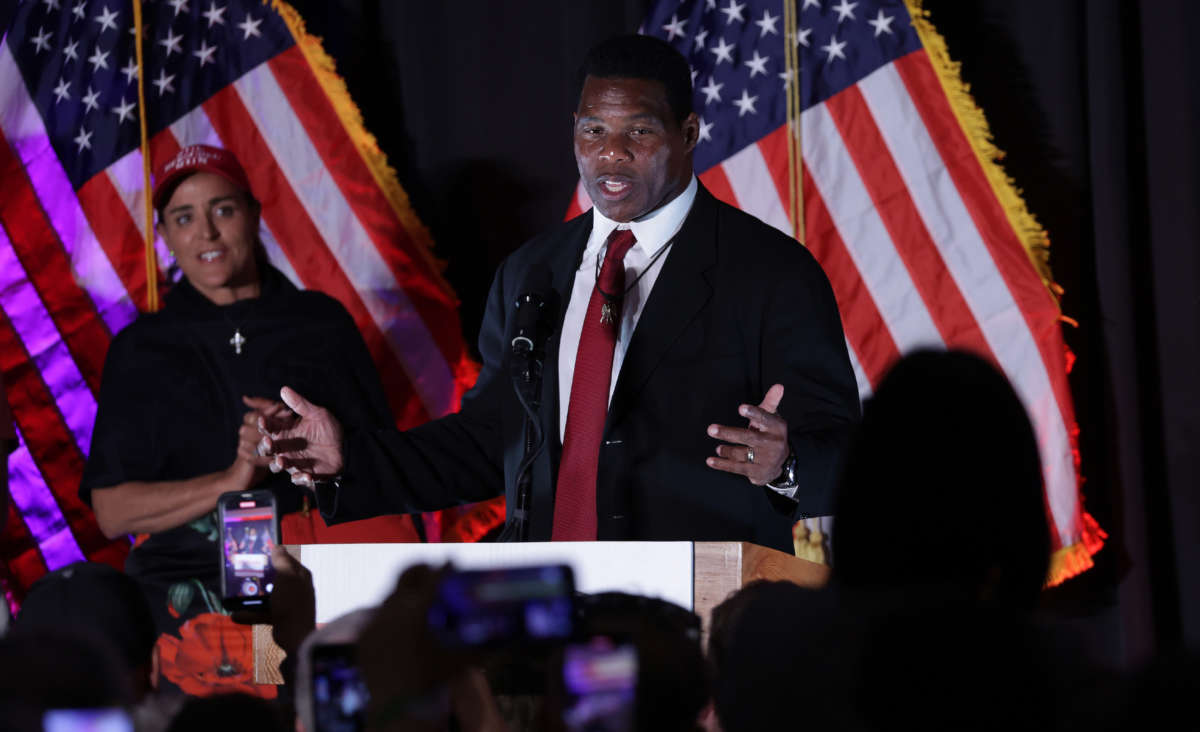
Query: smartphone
[[87, 720], [497, 607], [249, 530], [339, 693], [600, 681]]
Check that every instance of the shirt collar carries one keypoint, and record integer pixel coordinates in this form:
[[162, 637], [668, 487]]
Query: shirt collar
[[654, 229], [183, 297]]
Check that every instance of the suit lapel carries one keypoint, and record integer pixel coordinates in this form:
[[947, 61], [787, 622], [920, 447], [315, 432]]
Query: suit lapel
[[563, 262], [682, 289]]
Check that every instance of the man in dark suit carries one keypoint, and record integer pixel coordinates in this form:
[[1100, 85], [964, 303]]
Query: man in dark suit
[[669, 314]]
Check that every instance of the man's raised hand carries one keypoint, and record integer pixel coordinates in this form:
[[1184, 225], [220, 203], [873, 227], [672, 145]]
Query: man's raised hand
[[310, 449], [759, 450]]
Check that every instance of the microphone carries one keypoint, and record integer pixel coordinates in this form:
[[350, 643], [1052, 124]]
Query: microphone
[[530, 331], [534, 311]]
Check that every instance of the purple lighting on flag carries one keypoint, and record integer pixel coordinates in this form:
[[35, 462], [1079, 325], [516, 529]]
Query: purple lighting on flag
[[36, 505], [26, 133], [37, 331]]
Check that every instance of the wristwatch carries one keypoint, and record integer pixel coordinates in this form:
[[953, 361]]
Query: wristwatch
[[785, 484]]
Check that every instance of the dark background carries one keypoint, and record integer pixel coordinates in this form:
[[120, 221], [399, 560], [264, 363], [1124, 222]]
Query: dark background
[[1095, 103]]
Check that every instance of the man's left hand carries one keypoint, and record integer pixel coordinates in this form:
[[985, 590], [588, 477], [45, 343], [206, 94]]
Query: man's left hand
[[759, 450]]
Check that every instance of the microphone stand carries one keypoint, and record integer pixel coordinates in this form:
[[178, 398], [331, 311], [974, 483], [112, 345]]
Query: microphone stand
[[526, 371]]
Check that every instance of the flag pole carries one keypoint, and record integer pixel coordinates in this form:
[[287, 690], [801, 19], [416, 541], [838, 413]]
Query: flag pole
[[795, 151], [151, 256]]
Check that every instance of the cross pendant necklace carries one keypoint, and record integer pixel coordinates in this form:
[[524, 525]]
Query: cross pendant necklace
[[237, 341], [608, 310]]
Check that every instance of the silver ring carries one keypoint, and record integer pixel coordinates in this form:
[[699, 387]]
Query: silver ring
[[749, 454]]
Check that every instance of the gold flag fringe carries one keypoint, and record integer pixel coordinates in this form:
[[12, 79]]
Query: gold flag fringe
[[1077, 557], [368, 147], [974, 124]]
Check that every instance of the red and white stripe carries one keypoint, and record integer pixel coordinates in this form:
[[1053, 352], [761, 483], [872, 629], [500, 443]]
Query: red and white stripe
[[355, 249], [917, 247], [26, 134]]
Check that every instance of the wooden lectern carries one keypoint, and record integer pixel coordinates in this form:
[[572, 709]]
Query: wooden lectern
[[695, 575]]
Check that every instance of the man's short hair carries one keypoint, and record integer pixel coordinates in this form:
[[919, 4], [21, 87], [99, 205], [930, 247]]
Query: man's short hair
[[94, 598], [641, 57], [62, 668]]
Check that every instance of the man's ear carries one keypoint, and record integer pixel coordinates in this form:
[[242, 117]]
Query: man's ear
[[691, 130]]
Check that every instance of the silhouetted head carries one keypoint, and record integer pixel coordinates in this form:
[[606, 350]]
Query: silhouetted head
[[671, 689], [95, 599], [66, 668], [942, 487]]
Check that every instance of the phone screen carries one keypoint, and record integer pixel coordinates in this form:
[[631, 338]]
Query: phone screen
[[248, 533], [87, 720], [600, 680], [338, 690], [503, 606]]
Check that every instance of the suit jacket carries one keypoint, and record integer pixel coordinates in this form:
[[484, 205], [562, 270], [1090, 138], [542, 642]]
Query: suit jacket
[[737, 307]]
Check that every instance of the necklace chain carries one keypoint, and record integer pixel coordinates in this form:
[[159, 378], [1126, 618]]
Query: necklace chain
[[613, 298]]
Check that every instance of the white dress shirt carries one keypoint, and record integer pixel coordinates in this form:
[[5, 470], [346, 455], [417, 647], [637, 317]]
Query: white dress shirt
[[653, 232]]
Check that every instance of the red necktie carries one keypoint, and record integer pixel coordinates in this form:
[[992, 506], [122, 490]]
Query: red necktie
[[575, 495]]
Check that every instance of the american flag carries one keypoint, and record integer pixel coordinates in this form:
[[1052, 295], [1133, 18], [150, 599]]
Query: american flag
[[239, 75], [926, 242]]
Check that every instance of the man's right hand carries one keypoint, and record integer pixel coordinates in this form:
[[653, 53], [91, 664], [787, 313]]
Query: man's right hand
[[311, 448]]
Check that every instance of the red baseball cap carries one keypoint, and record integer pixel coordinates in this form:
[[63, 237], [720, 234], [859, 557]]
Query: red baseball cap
[[197, 159]]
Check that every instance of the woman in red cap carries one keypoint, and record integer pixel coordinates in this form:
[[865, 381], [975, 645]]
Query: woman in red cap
[[180, 394]]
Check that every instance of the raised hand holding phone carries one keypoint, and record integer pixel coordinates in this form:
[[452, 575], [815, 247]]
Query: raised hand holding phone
[[516, 606], [293, 607]]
